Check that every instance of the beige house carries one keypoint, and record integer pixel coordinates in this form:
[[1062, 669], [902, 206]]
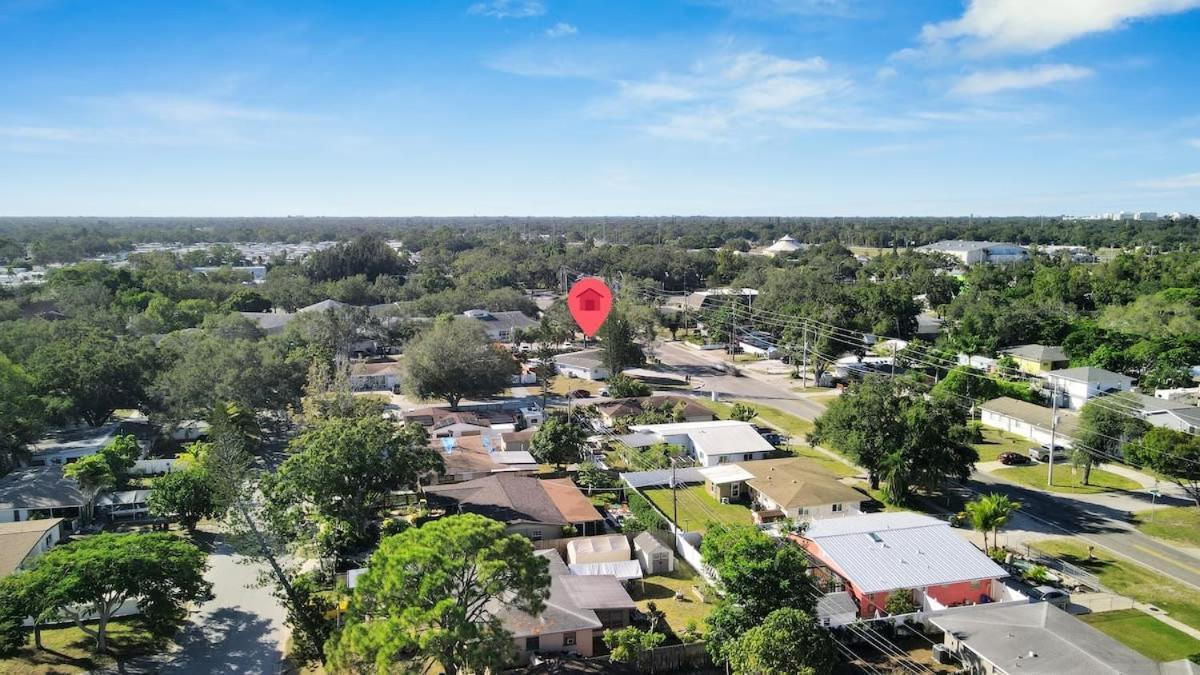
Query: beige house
[[783, 488], [21, 542]]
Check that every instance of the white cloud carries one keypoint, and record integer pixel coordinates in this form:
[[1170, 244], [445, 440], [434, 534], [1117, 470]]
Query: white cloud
[[1039, 25], [656, 91], [508, 9], [886, 73], [1189, 181], [561, 29], [993, 81]]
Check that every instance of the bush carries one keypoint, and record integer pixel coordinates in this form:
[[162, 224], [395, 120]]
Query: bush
[[899, 602], [623, 386], [1038, 574], [975, 431]]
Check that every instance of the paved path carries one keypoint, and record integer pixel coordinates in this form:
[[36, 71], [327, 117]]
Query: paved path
[[240, 630]]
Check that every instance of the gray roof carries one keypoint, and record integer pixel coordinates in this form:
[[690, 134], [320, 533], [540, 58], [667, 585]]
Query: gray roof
[[1090, 374], [962, 245], [323, 306], [509, 499], [1041, 638], [1032, 414], [571, 605], [86, 439], [38, 487], [504, 321], [1037, 353], [885, 551], [837, 603], [269, 321], [648, 542], [588, 358]]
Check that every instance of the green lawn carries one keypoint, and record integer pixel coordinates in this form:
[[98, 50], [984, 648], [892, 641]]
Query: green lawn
[[661, 589], [1145, 634], [789, 424], [697, 508], [1131, 579], [561, 385], [1178, 524], [1067, 479], [68, 650], [824, 461], [719, 408], [996, 441]]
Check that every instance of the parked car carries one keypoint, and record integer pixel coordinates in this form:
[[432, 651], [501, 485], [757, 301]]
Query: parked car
[[580, 393], [1042, 453], [1055, 596], [1013, 458], [604, 392]]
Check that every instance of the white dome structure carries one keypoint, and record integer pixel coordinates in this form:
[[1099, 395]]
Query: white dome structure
[[786, 244]]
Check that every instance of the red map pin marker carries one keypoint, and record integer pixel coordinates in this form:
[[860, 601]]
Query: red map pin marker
[[590, 301]]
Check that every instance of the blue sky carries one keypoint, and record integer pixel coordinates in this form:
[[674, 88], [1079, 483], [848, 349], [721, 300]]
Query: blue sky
[[587, 107]]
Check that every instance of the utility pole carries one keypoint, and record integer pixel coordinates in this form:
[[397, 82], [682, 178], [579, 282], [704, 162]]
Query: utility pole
[[804, 361], [674, 510], [1053, 431]]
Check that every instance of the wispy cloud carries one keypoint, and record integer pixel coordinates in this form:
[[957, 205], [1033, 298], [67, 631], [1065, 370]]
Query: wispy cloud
[[561, 29], [993, 81], [508, 9], [1029, 26], [1188, 181]]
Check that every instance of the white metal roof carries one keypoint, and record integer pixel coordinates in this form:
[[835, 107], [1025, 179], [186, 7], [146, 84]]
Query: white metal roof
[[725, 473], [623, 570], [885, 551], [722, 437], [599, 544]]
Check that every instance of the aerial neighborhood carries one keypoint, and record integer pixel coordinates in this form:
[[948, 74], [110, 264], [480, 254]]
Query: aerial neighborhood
[[382, 458]]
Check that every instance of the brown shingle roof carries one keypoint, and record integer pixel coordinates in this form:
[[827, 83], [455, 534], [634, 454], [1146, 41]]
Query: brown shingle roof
[[18, 539], [514, 499]]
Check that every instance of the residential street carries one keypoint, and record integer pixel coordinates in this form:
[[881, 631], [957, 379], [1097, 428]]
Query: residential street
[[1092, 519]]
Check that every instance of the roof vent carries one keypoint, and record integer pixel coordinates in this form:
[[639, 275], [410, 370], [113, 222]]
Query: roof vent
[[875, 537]]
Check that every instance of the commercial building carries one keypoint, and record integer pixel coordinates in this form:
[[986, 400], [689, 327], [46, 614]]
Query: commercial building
[[976, 252]]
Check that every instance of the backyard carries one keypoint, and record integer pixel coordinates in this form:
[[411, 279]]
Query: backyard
[[68, 650], [697, 508], [995, 442], [1067, 479], [1127, 578], [661, 589], [1178, 524], [1145, 634]]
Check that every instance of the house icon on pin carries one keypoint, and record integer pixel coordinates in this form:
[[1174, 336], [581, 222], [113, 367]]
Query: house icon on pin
[[589, 301]]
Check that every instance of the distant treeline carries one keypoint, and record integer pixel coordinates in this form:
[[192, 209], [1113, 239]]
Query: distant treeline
[[46, 240]]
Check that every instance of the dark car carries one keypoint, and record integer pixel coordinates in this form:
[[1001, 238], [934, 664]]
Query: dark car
[[1011, 458], [581, 393]]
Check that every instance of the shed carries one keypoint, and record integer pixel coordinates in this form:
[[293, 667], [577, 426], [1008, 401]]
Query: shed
[[598, 549], [655, 557]]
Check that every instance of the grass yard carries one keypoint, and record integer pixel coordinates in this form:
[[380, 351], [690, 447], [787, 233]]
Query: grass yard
[[68, 650], [1066, 479], [996, 441], [824, 461], [824, 399], [697, 508], [719, 408], [1177, 524], [1145, 634], [789, 424], [661, 589], [1131, 579], [561, 385]]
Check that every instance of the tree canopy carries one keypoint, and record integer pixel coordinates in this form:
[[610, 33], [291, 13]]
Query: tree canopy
[[453, 360]]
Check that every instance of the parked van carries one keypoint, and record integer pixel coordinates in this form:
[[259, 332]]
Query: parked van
[[1042, 453]]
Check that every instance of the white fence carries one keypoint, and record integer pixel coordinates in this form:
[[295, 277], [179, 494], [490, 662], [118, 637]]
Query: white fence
[[154, 467]]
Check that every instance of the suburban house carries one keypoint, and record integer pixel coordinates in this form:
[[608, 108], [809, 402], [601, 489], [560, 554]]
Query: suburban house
[[69, 445], [1076, 385], [1029, 420], [21, 542], [711, 443], [586, 365], [378, 376], [684, 409], [1041, 638], [975, 252], [783, 488], [1038, 359], [879, 554], [577, 612], [516, 441], [500, 326], [1162, 412], [710, 298], [38, 492], [538, 509], [441, 422], [466, 458]]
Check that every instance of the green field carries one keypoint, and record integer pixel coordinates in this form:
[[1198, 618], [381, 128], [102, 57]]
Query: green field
[[996, 441], [68, 650], [1145, 634], [661, 589], [789, 424], [1180, 524], [1066, 480], [697, 508], [824, 461], [1180, 602]]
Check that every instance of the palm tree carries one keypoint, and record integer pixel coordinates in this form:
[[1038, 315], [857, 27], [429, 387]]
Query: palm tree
[[93, 474], [989, 513]]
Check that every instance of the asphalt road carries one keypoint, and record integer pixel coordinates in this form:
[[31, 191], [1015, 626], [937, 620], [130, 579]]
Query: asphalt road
[[1097, 524]]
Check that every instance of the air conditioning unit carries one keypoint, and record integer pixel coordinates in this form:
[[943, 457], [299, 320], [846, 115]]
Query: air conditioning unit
[[724, 500], [942, 654]]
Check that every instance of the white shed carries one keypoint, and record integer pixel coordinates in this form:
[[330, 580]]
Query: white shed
[[655, 556], [598, 549]]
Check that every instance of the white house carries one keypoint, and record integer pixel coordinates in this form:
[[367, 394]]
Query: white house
[[67, 446], [712, 443], [1029, 421], [1160, 412], [500, 326], [1076, 385], [381, 376], [584, 365], [38, 491], [975, 252]]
